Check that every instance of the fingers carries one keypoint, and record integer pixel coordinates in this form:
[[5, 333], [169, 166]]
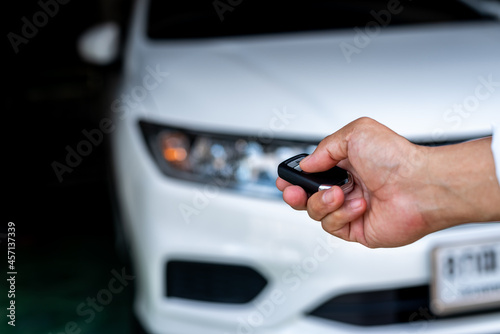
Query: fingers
[[335, 147], [318, 205], [328, 206], [324, 202], [335, 222], [338, 214], [294, 196], [331, 208], [282, 184], [329, 152]]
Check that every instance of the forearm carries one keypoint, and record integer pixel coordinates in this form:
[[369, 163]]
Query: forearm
[[462, 184]]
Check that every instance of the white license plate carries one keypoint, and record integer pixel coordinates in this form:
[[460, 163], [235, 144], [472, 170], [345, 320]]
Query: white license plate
[[465, 277]]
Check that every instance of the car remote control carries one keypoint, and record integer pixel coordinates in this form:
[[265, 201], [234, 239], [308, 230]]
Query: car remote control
[[290, 171]]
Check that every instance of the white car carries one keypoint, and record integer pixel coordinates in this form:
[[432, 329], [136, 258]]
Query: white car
[[214, 95]]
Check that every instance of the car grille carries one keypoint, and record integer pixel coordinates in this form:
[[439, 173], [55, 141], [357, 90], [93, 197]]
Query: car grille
[[380, 307], [212, 282], [384, 307]]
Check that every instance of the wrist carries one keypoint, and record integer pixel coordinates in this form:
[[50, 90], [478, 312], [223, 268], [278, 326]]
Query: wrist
[[460, 185]]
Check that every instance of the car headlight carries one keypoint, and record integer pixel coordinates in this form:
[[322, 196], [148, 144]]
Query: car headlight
[[245, 163]]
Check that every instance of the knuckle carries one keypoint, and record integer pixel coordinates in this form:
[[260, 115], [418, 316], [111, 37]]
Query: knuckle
[[331, 225], [365, 121]]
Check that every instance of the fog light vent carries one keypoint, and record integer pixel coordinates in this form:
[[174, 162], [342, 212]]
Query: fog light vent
[[213, 282], [381, 307]]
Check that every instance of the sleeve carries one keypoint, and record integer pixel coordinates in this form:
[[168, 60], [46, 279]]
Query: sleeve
[[495, 146]]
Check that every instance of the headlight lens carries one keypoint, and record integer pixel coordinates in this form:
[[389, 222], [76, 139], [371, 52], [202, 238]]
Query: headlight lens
[[246, 163]]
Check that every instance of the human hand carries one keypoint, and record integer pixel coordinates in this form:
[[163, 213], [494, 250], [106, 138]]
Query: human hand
[[395, 200]]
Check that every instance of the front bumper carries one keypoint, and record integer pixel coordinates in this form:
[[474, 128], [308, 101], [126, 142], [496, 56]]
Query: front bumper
[[167, 219]]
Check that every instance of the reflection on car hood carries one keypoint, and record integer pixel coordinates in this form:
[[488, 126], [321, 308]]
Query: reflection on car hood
[[420, 81]]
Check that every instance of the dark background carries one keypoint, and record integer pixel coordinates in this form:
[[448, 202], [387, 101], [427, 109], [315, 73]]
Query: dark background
[[64, 237], [64, 240]]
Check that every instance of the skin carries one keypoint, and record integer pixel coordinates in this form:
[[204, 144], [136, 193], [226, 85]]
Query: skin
[[402, 191]]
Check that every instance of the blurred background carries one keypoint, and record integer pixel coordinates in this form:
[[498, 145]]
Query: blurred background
[[64, 244], [64, 232]]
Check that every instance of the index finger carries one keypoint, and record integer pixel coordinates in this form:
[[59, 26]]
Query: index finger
[[282, 184]]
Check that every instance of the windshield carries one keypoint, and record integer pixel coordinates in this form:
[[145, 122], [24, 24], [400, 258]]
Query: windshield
[[214, 18]]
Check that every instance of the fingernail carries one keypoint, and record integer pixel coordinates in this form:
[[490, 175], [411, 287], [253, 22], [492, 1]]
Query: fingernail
[[356, 203], [329, 196], [304, 160]]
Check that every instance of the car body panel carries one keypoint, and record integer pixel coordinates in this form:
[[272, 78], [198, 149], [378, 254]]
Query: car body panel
[[299, 87], [240, 81]]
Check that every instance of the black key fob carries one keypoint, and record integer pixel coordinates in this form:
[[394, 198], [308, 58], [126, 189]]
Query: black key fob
[[289, 170]]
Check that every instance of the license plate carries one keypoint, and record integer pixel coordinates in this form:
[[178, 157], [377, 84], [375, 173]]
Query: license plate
[[465, 277]]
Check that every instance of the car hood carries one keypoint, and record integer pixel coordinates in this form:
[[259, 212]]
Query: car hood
[[426, 82]]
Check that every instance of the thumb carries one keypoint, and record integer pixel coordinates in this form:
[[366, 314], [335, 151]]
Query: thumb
[[329, 152]]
